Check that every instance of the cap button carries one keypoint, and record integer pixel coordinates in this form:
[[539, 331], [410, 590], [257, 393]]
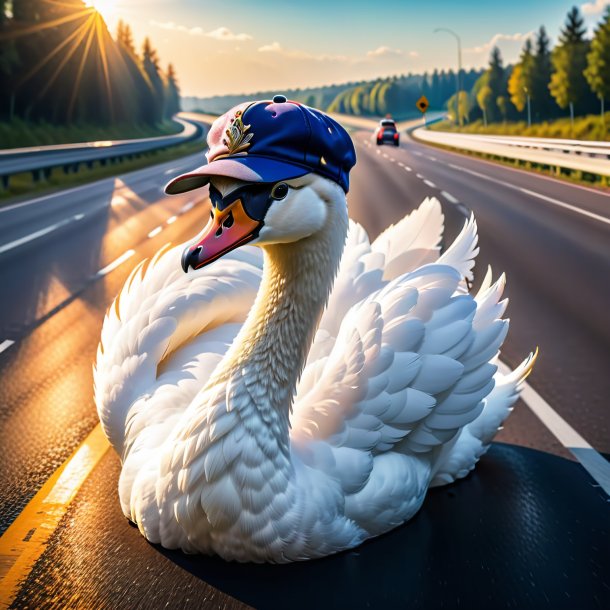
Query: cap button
[[279, 99]]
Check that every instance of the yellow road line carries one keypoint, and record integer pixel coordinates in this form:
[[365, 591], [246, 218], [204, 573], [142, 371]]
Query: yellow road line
[[26, 539]]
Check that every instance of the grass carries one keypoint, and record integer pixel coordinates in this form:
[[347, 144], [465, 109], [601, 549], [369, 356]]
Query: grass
[[589, 127], [19, 133], [22, 184]]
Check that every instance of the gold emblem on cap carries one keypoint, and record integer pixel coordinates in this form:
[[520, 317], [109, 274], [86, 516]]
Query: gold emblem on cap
[[238, 138]]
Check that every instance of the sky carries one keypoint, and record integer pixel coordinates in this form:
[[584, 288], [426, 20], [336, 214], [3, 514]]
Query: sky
[[244, 46]]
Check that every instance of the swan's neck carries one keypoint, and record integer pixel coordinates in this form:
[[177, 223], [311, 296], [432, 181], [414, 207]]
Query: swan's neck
[[269, 353]]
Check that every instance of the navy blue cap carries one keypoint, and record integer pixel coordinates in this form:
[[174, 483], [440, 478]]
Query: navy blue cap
[[267, 141]]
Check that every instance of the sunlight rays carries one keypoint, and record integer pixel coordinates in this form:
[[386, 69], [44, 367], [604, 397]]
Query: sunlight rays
[[91, 31]]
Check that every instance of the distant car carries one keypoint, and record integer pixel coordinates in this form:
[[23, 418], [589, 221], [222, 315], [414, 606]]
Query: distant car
[[387, 132]]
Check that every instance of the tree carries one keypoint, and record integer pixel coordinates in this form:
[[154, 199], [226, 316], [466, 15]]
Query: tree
[[568, 84], [597, 72], [172, 93], [150, 64], [495, 81], [484, 99], [520, 81], [502, 104], [543, 105]]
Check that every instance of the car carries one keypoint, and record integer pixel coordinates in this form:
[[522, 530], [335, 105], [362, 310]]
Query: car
[[387, 132]]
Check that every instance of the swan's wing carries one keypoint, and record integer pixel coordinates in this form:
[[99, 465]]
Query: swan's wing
[[365, 268], [410, 366], [155, 326], [412, 242]]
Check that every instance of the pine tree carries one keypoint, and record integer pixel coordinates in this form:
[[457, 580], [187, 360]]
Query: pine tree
[[568, 84], [597, 72], [172, 93], [495, 81], [150, 64], [543, 105]]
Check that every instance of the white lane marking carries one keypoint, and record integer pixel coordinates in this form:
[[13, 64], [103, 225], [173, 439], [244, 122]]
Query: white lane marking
[[463, 209], [5, 345], [392, 160], [378, 151], [419, 176], [170, 171], [431, 158], [31, 236], [186, 207], [407, 168], [401, 164], [384, 156], [590, 459], [171, 220], [415, 152], [533, 194], [116, 263], [449, 197], [78, 216], [430, 184], [155, 231]]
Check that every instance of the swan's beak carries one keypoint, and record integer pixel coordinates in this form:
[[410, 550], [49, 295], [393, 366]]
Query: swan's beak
[[226, 231]]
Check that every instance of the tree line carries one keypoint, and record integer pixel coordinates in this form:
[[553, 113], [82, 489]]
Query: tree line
[[59, 64], [398, 94], [545, 83]]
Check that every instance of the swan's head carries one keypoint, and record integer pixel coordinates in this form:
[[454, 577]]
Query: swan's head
[[263, 214], [273, 166]]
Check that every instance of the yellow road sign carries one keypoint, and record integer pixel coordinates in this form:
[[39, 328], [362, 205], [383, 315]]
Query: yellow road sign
[[422, 103]]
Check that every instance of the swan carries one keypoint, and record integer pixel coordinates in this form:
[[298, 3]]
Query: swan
[[299, 389]]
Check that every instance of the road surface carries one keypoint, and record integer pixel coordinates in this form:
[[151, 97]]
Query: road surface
[[65, 256]]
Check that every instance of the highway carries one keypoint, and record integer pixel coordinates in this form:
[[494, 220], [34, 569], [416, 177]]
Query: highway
[[63, 257]]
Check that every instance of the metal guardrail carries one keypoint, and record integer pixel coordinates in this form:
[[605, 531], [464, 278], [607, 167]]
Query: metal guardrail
[[41, 160], [591, 157]]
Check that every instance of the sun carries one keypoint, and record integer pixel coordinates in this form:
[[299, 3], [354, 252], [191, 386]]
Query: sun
[[106, 8]]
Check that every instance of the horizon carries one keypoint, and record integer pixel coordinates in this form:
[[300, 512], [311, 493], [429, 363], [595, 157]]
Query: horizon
[[251, 49]]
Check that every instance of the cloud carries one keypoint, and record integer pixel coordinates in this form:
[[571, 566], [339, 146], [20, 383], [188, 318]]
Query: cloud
[[384, 52], [277, 49], [594, 8], [496, 41], [413, 54], [221, 33]]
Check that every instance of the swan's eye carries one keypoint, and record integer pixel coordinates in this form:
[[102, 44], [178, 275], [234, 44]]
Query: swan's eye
[[279, 191], [212, 214]]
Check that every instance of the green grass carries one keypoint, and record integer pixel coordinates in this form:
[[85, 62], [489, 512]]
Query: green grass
[[18, 133], [22, 184], [585, 128]]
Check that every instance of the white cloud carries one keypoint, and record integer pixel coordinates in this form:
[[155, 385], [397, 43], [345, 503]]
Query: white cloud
[[276, 48], [384, 52], [594, 8], [497, 41], [221, 33], [413, 54]]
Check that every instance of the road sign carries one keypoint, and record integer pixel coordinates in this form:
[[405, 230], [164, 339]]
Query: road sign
[[422, 103]]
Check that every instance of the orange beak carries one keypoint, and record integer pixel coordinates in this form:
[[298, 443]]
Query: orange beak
[[226, 231]]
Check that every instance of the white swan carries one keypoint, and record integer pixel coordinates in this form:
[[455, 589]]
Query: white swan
[[256, 424], [398, 392]]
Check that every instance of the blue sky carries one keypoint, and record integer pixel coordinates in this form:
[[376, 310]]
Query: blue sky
[[241, 46]]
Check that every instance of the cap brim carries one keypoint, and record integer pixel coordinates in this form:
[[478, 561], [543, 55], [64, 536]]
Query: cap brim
[[247, 168]]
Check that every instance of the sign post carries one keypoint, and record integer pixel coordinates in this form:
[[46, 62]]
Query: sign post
[[422, 105]]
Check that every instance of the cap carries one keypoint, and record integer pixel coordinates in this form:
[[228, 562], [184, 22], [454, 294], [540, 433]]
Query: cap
[[267, 141]]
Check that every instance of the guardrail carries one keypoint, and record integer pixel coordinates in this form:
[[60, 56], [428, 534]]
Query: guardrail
[[591, 157], [41, 160]]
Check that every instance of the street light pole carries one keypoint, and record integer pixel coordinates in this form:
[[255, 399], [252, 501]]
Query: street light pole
[[459, 72]]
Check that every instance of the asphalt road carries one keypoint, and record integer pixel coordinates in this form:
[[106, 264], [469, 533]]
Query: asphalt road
[[57, 285]]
